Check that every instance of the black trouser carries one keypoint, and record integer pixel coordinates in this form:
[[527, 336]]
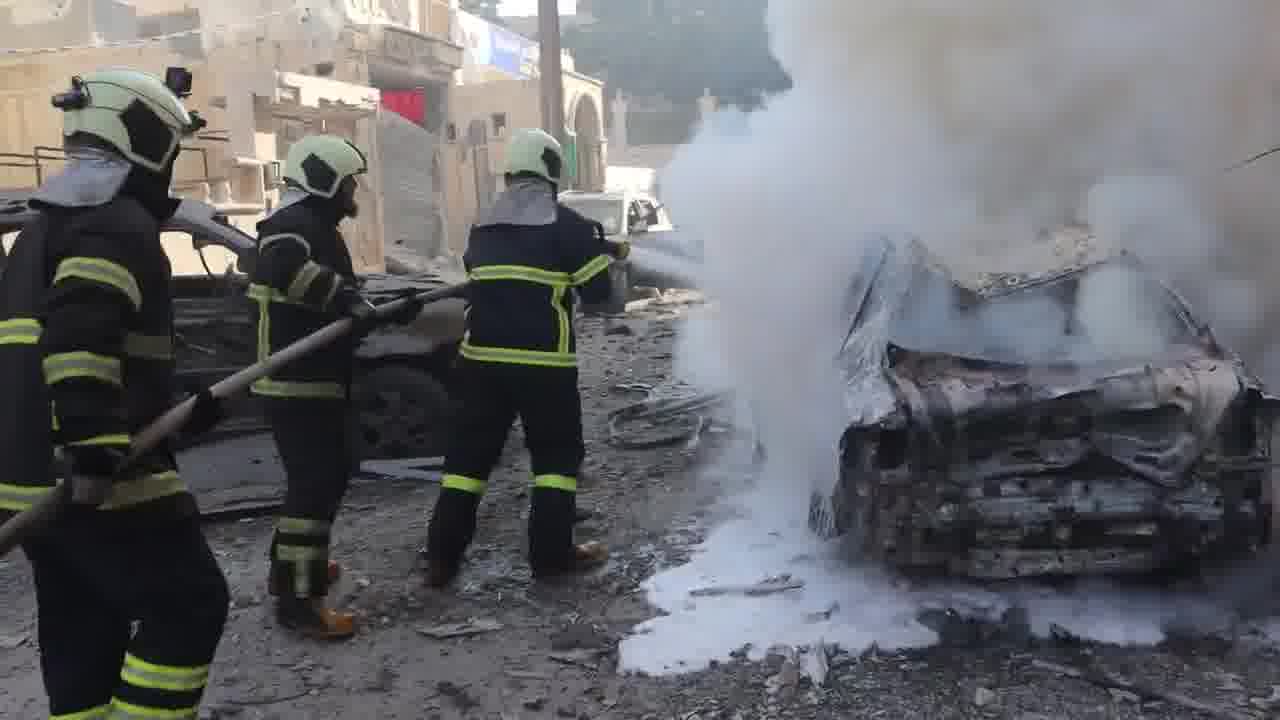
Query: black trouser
[[491, 396], [95, 576], [314, 442]]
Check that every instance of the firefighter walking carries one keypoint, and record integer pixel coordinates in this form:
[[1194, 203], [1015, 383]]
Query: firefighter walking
[[131, 602], [525, 259], [302, 281]]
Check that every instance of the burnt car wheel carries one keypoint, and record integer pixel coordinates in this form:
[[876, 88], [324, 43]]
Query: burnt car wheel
[[401, 412]]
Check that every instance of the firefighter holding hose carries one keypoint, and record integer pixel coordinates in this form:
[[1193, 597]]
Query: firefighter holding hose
[[525, 259], [303, 280], [131, 601]]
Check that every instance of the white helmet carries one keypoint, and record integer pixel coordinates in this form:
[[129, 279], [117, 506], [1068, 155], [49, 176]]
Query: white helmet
[[318, 164], [134, 112], [534, 151]]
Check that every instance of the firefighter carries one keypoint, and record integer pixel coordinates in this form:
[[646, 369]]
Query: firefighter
[[131, 602], [517, 359], [303, 280]]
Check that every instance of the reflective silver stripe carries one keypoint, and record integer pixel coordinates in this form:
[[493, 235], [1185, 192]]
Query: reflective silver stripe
[[144, 674], [103, 272], [264, 242], [307, 274], [299, 389], [20, 331], [79, 364]]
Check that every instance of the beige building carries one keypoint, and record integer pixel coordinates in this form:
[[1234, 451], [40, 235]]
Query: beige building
[[498, 89], [266, 74]]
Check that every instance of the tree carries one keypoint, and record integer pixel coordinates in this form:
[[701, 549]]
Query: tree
[[487, 9], [679, 48]]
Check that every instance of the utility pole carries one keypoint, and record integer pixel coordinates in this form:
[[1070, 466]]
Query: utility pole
[[549, 68]]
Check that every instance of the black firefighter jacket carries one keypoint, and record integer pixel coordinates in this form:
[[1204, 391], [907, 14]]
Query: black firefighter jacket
[[521, 276], [302, 264], [86, 354]]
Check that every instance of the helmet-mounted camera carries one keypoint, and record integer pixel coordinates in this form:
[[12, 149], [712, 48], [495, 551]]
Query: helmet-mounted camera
[[77, 98]]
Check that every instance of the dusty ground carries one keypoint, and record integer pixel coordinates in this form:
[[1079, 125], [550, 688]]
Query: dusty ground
[[549, 651]]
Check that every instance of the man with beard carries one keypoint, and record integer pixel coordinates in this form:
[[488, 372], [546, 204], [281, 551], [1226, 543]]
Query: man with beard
[[303, 280]]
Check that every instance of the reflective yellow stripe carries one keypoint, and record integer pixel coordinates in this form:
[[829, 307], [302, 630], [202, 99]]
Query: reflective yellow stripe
[[148, 347], [127, 493], [463, 483], [143, 674], [556, 482], [300, 553], [108, 439], [21, 497], [562, 320], [335, 283], [307, 274], [590, 270], [519, 272], [298, 389], [264, 294], [121, 710], [19, 331], [79, 364], [518, 357], [97, 713], [103, 272], [302, 526]]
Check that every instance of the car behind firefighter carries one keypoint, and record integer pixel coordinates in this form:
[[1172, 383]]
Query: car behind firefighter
[[525, 259], [303, 280], [130, 599]]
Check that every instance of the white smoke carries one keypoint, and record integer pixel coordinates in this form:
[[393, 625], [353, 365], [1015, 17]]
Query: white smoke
[[980, 126]]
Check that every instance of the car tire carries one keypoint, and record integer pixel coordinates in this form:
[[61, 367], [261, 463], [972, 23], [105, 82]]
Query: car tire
[[400, 412]]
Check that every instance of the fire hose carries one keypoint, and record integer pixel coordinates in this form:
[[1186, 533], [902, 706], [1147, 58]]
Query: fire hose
[[42, 513]]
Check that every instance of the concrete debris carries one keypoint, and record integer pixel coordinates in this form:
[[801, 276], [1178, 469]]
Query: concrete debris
[[457, 630], [9, 642], [815, 663], [784, 684], [982, 697], [768, 586], [1269, 703]]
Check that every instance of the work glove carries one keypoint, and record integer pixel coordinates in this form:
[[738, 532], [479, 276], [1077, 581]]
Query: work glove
[[619, 249], [89, 471], [354, 305], [207, 412]]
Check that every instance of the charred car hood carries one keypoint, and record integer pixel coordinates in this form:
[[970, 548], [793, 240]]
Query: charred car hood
[[1155, 419]]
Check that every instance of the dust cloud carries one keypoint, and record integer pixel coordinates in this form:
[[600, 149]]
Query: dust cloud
[[982, 127]]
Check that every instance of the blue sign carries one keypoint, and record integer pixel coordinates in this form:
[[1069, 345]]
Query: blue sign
[[510, 52]]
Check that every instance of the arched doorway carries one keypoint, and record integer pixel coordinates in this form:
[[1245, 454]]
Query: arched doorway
[[587, 130]]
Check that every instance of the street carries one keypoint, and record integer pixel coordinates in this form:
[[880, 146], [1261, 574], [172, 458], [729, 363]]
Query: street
[[498, 646]]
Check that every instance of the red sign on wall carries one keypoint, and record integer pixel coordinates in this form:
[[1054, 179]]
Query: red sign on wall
[[409, 104]]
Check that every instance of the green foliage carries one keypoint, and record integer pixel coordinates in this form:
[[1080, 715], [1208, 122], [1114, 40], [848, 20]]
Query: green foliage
[[678, 48]]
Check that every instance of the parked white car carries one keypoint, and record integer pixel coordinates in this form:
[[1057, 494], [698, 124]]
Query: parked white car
[[644, 221]]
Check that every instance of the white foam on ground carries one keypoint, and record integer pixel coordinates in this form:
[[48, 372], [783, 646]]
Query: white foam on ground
[[865, 606]]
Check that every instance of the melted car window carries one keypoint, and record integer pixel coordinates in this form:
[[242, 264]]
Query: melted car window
[[1109, 312]]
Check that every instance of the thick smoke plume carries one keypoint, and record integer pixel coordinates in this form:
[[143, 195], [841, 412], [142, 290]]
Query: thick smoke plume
[[982, 127]]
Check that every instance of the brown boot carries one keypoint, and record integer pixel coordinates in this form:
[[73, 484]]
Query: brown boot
[[335, 574], [587, 557], [310, 618]]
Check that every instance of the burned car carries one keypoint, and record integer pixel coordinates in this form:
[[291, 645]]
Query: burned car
[[1082, 422], [400, 392]]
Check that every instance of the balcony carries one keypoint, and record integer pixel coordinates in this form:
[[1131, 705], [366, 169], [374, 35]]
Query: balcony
[[399, 57]]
